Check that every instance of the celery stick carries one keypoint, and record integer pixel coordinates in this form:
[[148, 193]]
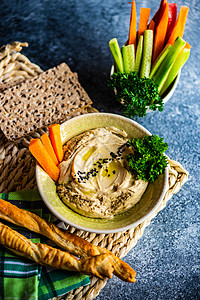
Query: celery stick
[[159, 60], [147, 53], [167, 63], [178, 64], [139, 54], [116, 53], [128, 56]]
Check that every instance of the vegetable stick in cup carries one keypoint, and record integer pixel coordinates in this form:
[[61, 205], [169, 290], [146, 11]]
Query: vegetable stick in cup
[[180, 25], [171, 19], [143, 21], [133, 25], [160, 33], [158, 15], [146, 54], [151, 25], [178, 64]]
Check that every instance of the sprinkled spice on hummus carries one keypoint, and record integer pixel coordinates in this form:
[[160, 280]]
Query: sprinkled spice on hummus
[[94, 178]]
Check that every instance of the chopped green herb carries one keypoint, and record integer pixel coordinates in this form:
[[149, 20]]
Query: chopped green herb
[[137, 93], [148, 160]]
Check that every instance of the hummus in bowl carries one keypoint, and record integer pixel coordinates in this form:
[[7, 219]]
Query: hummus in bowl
[[95, 191], [94, 179]]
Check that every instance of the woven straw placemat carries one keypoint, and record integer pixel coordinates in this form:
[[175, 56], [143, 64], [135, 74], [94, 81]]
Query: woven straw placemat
[[17, 172]]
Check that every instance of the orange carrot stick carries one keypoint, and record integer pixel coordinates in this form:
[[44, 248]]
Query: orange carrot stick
[[187, 46], [183, 17], [133, 24], [48, 146], [55, 137], [151, 25], [160, 33], [143, 21], [41, 155], [180, 25]]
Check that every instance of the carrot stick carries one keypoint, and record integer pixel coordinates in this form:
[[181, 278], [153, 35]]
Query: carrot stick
[[183, 18], [41, 155], [133, 25], [55, 137], [160, 33], [143, 21], [151, 25], [180, 25], [48, 146], [187, 46]]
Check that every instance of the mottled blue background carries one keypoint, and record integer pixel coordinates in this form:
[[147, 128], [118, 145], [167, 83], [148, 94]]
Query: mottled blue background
[[166, 258]]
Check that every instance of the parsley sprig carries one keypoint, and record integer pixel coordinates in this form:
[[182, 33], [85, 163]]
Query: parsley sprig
[[148, 160], [137, 93]]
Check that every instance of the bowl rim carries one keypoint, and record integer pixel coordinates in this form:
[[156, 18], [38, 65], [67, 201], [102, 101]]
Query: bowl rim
[[107, 231]]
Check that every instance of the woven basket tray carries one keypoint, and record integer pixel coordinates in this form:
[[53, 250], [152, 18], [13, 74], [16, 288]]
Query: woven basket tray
[[17, 172]]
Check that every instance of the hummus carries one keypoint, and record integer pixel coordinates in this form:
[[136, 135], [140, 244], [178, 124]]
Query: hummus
[[94, 178]]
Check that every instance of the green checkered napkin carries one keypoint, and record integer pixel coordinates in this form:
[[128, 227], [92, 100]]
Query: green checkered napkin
[[22, 279]]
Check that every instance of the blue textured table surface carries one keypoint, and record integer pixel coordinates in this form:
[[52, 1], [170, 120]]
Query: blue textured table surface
[[166, 258]]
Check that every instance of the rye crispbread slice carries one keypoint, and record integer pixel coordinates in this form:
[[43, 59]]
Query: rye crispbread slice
[[41, 101]]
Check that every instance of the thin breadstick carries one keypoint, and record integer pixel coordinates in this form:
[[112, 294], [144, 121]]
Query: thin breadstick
[[63, 238], [100, 265], [66, 240]]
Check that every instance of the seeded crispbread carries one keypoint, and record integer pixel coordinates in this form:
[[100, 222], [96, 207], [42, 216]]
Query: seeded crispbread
[[41, 101]]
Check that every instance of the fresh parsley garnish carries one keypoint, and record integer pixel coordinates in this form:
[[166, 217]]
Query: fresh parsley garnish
[[137, 93], [148, 160]]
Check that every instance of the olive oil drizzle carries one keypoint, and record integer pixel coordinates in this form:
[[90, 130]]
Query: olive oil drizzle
[[82, 176]]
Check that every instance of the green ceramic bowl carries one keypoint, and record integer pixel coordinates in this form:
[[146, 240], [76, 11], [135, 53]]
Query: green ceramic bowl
[[148, 204]]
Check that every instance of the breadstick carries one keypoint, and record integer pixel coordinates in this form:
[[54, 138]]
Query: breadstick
[[66, 240], [100, 265], [40, 253]]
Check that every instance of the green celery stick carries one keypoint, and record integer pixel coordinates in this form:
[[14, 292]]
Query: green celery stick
[[139, 54], [159, 60], [147, 53], [128, 56], [116, 53], [178, 64], [167, 63]]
